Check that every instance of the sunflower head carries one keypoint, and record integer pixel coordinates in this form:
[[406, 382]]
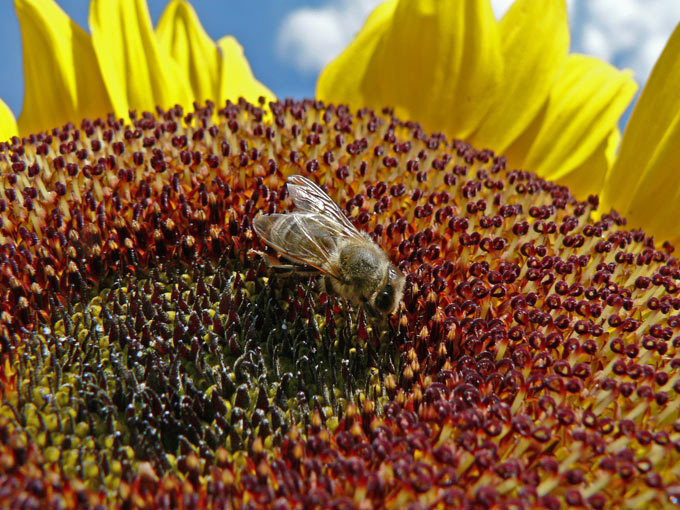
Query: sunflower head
[[143, 348]]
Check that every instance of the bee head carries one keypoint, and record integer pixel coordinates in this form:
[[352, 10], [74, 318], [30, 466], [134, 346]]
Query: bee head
[[386, 300]]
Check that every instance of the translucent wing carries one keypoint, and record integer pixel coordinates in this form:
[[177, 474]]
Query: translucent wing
[[309, 235], [304, 238], [308, 197]]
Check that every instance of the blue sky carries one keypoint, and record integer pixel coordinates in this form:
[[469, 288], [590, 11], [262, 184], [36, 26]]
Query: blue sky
[[288, 42]]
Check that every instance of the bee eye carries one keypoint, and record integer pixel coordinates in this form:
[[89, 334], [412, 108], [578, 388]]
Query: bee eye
[[385, 299]]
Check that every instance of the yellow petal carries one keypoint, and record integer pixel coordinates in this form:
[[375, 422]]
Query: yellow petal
[[437, 62], [8, 125], [339, 80], [138, 74], [587, 178], [656, 203], [644, 182], [63, 81], [584, 106], [236, 77], [181, 34], [535, 42]]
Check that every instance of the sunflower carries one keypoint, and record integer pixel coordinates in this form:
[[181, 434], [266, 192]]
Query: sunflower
[[150, 359]]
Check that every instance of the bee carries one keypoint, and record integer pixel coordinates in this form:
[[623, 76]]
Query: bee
[[318, 234]]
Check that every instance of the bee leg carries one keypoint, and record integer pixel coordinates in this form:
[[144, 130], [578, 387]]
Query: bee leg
[[327, 286], [284, 269], [296, 271], [269, 260], [370, 311]]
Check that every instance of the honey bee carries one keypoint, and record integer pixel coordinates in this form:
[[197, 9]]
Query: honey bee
[[318, 234]]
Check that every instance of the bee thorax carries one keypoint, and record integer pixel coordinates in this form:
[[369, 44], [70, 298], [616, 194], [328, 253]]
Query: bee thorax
[[363, 264], [362, 269]]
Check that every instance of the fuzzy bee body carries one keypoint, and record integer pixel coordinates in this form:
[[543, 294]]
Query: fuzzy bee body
[[318, 234]]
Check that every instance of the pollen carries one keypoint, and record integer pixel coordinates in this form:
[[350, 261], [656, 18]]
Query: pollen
[[147, 357]]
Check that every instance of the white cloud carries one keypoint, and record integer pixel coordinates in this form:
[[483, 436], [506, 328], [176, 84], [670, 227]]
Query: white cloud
[[500, 6], [309, 38], [628, 33]]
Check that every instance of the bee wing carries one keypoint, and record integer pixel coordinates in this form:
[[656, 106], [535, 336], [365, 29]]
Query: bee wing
[[304, 238], [308, 197]]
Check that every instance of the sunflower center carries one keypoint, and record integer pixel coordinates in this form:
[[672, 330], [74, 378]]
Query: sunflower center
[[534, 353]]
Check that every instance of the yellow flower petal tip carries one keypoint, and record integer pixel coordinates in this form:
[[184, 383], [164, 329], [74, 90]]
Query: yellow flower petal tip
[[336, 83], [182, 36], [644, 183], [137, 71], [587, 178], [236, 77], [439, 63], [216, 71], [63, 81], [125, 65], [535, 43], [585, 104], [8, 124]]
